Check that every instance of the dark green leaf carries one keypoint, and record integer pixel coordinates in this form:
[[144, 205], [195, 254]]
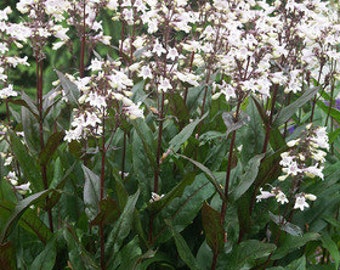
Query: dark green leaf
[[244, 255], [299, 264], [91, 193], [183, 249], [70, 89], [121, 228], [7, 257], [177, 191], [46, 259], [51, 146], [248, 178], [208, 173], [232, 123], [332, 247], [26, 162], [20, 209], [285, 225], [181, 211], [291, 243], [79, 258], [286, 113], [213, 228], [184, 135]]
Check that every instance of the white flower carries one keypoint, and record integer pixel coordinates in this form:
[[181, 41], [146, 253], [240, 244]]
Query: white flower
[[292, 143], [158, 48], [164, 85], [24, 188], [264, 195], [8, 92], [292, 169], [155, 197], [281, 197], [310, 197], [96, 65], [145, 73], [301, 203], [313, 171], [172, 54], [96, 100]]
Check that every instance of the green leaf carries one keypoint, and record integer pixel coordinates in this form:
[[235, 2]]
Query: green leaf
[[244, 255], [29, 221], [181, 211], [46, 259], [145, 134], [51, 146], [334, 113], [332, 247], [20, 209], [70, 89], [25, 160], [213, 228], [79, 258], [209, 174], [177, 191], [248, 178], [183, 249], [299, 264], [91, 193], [121, 228], [233, 124], [292, 243], [286, 113], [285, 225], [176, 142], [7, 256], [129, 255]]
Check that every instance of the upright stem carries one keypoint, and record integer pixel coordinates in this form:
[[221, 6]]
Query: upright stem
[[159, 144], [102, 187], [43, 168], [83, 44], [270, 120], [227, 180]]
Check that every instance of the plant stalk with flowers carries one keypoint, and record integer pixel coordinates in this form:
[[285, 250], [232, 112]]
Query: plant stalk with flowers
[[169, 134]]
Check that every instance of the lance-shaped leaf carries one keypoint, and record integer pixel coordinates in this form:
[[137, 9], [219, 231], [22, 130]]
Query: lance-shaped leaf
[[245, 254], [146, 136], [70, 89], [177, 191], [177, 141], [213, 228], [233, 123], [46, 259], [181, 211], [248, 178], [51, 146], [121, 228], [291, 243], [183, 249], [79, 257], [20, 209], [209, 174], [332, 247], [7, 257], [29, 221], [286, 113], [26, 162], [285, 225], [91, 193]]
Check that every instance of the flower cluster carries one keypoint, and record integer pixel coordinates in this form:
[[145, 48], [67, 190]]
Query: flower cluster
[[303, 160], [108, 87]]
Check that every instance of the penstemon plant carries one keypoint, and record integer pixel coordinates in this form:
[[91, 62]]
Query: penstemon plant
[[169, 134]]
